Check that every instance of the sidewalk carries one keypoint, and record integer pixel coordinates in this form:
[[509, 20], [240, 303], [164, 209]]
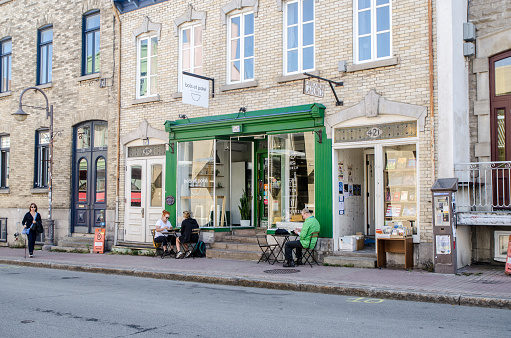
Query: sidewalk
[[483, 286]]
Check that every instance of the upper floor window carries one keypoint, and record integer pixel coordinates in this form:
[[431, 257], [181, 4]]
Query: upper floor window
[[91, 43], [44, 55], [241, 47], [147, 66], [298, 36], [5, 145], [42, 160], [5, 65], [372, 30], [190, 51]]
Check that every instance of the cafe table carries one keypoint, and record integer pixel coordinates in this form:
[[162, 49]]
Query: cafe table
[[281, 241]]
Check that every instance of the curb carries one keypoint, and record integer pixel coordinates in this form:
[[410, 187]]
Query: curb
[[343, 290]]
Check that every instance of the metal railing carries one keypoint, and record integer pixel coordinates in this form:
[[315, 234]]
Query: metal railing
[[483, 186]]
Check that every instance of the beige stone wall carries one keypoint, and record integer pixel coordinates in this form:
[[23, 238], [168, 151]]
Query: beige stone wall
[[406, 81], [73, 101]]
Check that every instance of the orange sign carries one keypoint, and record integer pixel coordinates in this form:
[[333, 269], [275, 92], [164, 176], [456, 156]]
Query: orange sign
[[99, 240], [508, 259]]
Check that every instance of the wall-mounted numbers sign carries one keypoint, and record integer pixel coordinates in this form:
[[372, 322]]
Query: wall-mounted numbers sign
[[313, 88]]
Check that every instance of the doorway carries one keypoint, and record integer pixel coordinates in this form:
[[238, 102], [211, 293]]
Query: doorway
[[89, 176], [369, 191], [144, 197]]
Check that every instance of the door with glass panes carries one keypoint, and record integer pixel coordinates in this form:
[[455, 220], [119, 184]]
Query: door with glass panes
[[144, 197], [89, 176]]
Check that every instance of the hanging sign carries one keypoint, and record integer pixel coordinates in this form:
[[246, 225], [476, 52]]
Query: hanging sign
[[195, 91], [313, 88]]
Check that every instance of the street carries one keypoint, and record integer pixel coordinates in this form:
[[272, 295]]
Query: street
[[39, 302]]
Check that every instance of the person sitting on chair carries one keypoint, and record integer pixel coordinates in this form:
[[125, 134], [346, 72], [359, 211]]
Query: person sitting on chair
[[164, 224], [186, 234], [310, 225]]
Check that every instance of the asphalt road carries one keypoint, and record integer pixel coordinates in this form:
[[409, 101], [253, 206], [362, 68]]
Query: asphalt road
[[38, 302]]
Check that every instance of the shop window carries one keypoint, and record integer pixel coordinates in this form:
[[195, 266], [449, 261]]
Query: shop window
[[372, 27], [91, 24], [190, 51], [5, 65], [240, 49], [44, 55], [501, 245], [291, 177], [100, 180], [299, 36], [147, 66], [42, 160], [400, 184], [5, 145]]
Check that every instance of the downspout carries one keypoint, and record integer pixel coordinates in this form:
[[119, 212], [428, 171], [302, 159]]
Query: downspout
[[431, 89], [117, 174]]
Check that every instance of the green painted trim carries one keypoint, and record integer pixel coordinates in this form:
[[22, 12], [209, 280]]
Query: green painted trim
[[171, 183], [323, 184]]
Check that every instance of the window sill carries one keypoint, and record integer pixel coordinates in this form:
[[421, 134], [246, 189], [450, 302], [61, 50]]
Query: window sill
[[39, 190], [5, 191], [46, 85], [88, 77], [7, 93], [177, 95], [240, 85], [371, 65], [294, 77], [146, 99]]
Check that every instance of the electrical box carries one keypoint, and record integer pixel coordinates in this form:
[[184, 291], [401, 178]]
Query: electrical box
[[469, 49], [444, 225], [469, 32]]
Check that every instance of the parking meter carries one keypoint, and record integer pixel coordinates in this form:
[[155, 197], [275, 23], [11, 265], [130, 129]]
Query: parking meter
[[444, 225]]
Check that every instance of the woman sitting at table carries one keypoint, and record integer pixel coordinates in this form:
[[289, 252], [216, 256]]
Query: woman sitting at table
[[186, 234], [162, 225]]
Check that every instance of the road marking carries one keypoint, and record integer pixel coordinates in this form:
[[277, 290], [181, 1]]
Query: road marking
[[10, 267], [364, 300]]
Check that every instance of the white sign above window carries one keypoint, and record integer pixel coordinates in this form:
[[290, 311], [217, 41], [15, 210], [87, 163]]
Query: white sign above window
[[195, 91]]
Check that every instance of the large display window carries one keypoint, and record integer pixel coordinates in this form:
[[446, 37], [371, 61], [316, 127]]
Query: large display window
[[290, 177]]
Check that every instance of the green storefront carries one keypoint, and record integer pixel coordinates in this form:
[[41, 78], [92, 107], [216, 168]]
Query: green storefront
[[279, 160]]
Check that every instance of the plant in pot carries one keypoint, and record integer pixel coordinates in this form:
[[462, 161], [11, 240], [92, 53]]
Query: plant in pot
[[244, 208]]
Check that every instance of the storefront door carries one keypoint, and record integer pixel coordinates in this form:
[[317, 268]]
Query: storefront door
[[262, 189], [144, 197]]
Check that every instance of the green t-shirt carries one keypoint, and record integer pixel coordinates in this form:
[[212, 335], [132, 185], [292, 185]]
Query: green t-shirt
[[310, 225]]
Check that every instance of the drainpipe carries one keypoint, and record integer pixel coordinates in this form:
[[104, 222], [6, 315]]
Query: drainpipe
[[117, 174], [431, 88]]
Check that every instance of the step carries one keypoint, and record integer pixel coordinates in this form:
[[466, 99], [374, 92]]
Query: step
[[244, 232], [233, 254], [351, 261], [76, 242], [240, 239], [235, 246]]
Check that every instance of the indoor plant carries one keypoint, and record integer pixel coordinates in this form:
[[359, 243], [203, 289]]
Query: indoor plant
[[244, 208]]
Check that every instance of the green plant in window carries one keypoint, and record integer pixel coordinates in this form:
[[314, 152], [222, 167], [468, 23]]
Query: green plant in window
[[244, 206]]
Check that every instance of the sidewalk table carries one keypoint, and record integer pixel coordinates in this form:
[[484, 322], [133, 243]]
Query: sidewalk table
[[395, 245], [281, 245]]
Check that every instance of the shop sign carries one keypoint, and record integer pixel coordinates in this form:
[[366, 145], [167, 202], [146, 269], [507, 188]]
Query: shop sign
[[376, 132], [313, 88], [195, 91]]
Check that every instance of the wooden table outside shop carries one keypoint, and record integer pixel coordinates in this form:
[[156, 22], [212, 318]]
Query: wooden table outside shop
[[394, 245]]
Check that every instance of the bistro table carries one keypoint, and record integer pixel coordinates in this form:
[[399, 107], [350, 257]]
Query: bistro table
[[281, 244]]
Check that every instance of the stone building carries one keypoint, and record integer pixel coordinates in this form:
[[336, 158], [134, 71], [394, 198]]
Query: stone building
[[67, 50]]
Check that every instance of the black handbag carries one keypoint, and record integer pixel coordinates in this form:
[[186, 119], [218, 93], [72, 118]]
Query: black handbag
[[281, 232]]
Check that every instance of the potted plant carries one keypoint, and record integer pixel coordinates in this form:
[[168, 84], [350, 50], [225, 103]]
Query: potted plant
[[244, 208]]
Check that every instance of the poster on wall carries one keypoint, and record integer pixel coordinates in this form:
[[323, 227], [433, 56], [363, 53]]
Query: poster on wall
[[341, 188], [443, 245], [340, 171], [350, 176], [350, 189]]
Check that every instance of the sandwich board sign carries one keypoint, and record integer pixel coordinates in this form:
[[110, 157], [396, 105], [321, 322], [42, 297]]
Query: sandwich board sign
[[195, 91]]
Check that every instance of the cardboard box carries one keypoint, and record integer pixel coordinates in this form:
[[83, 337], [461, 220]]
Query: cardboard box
[[360, 241], [347, 243]]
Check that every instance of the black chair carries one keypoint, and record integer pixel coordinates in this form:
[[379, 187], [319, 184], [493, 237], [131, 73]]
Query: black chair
[[308, 255], [189, 247], [158, 248], [268, 250]]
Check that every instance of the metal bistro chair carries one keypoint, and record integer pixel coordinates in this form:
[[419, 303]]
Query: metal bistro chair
[[158, 249], [268, 250], [308, 256], [192, 245]]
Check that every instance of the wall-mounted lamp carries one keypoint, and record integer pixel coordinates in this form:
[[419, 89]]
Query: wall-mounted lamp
[[183, 116], [243, 110]]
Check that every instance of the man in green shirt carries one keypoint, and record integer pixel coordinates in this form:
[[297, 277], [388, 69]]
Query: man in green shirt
[[310, 225]]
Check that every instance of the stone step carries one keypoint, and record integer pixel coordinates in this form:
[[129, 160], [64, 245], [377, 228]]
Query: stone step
[[244, 232], [236, 246], [240, 239], [233, 254], [76, 242], [351, 261], [59, 248]]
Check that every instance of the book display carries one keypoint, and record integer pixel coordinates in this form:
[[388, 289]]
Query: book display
[[400, 184]]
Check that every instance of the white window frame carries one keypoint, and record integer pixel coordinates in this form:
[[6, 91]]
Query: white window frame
[[190, 26], [242, 37], [42, 153], [497, 256], [300, 46], [373, 33], [5, 148], [149, 76]]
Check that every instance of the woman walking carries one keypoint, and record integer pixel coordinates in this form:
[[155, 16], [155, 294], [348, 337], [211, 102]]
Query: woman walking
[[32, 217]]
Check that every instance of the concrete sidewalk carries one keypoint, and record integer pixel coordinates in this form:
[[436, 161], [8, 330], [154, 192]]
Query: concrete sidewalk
[[475, 286]]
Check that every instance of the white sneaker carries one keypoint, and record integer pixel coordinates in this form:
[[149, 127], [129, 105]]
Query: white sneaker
[[188, 254], [179, 255], [31, 256]]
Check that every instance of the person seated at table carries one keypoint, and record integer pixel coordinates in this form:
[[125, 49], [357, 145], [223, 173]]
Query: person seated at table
[[310, 225], [162, 225], [187, 226]]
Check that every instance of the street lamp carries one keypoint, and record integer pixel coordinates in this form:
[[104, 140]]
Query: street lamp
[[20, 115]]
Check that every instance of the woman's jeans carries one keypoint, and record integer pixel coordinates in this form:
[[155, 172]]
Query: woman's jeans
[[31, 241]]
